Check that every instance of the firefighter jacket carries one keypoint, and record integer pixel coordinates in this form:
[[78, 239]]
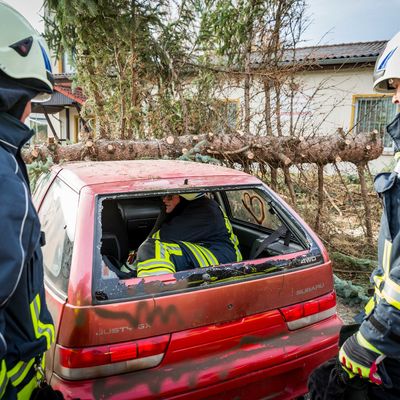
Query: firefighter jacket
[[26, 327], [381, 328], [196, 234]]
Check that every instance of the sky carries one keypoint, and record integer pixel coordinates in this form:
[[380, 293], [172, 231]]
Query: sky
[[347, 21], [331, 21], [31, 10]]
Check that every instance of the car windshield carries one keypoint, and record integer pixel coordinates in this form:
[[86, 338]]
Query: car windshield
[[251, 231]]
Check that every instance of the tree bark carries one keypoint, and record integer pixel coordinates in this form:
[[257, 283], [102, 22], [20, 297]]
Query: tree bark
[[247, 116], [274, 178], [275, 151], [320, 197], [367, 207], [267, 107], [289, 184]]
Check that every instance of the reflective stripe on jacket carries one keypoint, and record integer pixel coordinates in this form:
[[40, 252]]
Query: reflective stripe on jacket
[[24, 378]]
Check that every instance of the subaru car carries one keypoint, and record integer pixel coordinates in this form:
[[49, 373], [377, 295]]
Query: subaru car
[[253, 329]]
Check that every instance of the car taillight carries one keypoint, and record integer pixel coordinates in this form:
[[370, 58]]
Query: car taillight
[[98, 361], [309, 312]]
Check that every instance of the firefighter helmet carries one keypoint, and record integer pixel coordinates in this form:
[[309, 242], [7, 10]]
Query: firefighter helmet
[[191, 196], [387, 66], [24, 54]]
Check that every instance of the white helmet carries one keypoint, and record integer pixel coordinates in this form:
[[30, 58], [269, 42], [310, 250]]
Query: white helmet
[[387, 66], [24, 53], [191, 196]]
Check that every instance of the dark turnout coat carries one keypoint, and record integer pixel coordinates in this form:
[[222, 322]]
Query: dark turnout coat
[[196, 234], [26, 327]]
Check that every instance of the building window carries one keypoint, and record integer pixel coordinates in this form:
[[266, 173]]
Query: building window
[[375, 112], [226, 115], [39, 124]]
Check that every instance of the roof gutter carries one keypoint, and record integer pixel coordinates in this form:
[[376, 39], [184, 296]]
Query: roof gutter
[[347, 60]]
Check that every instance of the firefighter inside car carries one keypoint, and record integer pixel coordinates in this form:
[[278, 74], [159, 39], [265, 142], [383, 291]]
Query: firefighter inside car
[[191, 231]]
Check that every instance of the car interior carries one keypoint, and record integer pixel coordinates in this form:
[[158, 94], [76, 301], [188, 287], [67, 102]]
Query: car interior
[[126, 223]]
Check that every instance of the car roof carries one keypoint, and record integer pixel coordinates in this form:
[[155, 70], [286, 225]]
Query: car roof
[[115, 176]]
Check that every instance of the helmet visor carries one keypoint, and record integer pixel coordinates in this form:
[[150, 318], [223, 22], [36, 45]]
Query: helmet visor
[[41, 97]]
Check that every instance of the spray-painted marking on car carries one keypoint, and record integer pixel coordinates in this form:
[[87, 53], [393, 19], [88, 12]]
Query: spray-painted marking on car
[[162, 314]]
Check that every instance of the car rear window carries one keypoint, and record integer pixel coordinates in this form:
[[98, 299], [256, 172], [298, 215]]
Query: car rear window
[[255, 214]]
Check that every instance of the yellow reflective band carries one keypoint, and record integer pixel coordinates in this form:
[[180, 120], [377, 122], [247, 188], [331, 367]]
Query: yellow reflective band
[[384, 257], [161, 263], [16, 368], [391, 293], [239, 256], [157, 250], [232, 237], [3, 378], [43, 364], [153, 263], [41, 329], [156, 235], [18, 373], [369, 307], [364, 343], [208, 254], [201, 260], [387, 252], [173, 248], [378, 284], [378, 279], [155, 267], [26, 392], [152, 272]]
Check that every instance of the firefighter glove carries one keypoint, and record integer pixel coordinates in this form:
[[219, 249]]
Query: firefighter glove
[[358, 360]]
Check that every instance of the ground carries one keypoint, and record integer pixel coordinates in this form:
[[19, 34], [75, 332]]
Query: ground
[[346, 312]]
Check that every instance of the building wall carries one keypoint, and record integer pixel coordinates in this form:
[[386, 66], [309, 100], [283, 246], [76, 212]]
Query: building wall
[[336, 107], [324, 101], [57, 125], [60, 124]]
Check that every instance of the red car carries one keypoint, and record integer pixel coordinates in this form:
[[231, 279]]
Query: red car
[[249, 330]]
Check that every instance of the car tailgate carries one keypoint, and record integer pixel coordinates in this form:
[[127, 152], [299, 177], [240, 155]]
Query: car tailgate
[[192, 308]]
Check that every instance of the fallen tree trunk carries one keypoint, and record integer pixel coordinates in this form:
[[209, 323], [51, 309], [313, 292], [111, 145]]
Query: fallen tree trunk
[[275, 151]]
